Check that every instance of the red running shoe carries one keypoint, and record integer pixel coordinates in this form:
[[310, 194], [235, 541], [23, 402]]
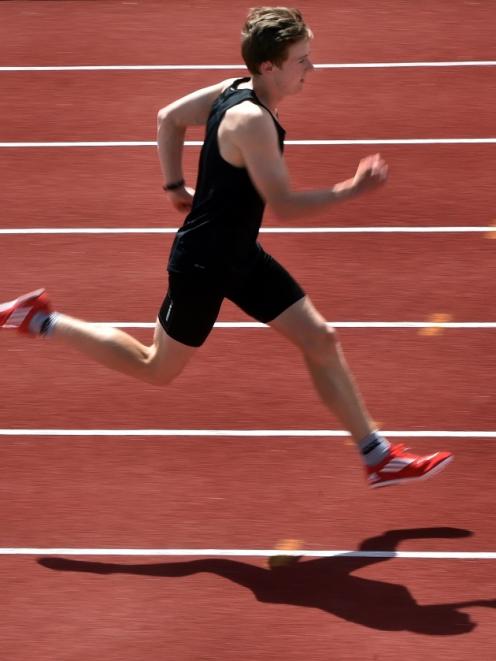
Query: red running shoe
[[19, 312], [401, 467]]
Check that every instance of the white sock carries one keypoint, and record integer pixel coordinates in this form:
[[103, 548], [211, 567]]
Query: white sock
[[374, 448], [43, 323]]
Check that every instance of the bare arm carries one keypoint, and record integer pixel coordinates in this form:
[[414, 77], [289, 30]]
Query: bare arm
[[253, 134], [172, 122]]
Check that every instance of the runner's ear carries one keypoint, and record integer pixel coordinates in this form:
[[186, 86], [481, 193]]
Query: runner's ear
[[266, 67]]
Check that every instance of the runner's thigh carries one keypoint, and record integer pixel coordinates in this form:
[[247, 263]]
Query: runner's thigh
[[267, 291], [190, 307]]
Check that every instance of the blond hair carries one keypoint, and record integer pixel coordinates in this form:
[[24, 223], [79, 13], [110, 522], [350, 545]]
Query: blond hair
[[268, 33]]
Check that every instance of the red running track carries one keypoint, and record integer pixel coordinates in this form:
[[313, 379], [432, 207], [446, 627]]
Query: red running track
[[239, 492]]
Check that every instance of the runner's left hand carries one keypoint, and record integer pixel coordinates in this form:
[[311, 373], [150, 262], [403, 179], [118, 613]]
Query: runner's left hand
[[182, 198]]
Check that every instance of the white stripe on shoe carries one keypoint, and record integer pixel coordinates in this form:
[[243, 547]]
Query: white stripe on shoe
[[17, 317], [434, 471], [396, 465], [4, 307]]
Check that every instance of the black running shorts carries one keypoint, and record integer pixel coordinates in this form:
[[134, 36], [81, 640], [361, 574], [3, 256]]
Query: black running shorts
[[193, 300]]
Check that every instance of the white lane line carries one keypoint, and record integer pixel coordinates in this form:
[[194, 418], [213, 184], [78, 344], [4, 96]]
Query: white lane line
[[293, 143], [451, 325], [453, 229], [241, 67], [386, 325], [252, 553], [242, 433]]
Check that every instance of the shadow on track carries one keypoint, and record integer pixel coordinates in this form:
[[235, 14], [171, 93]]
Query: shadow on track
[[325, 583]]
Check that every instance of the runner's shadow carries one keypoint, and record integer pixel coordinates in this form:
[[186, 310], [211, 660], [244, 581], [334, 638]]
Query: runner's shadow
[[325, 583]]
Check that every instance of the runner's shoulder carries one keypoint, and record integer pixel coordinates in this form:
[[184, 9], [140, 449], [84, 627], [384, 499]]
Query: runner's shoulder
[[249, 116]]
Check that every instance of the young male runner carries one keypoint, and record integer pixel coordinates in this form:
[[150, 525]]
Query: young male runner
[[216, 255]]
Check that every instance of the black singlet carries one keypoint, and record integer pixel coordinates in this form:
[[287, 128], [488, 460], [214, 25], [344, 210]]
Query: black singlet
[[219, 235]]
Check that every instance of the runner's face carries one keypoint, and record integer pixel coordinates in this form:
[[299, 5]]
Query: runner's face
[[290, 76]]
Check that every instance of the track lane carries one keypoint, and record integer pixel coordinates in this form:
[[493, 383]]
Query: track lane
[[335, 104], [409, 383], [122, 187], [131, 32], [67, 614], [147, 493], [107, 278]]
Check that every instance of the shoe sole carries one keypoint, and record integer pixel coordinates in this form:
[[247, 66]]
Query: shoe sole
[[19, 302], [404, 480]]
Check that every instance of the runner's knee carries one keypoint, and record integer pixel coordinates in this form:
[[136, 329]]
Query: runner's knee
[[163, 368], [321, 344], [159, 372], [160, 375]]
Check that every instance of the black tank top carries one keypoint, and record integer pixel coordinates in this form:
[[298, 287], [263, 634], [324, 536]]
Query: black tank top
[[220, 232]]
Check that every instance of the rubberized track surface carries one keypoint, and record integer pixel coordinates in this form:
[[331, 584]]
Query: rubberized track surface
[[231, 492]]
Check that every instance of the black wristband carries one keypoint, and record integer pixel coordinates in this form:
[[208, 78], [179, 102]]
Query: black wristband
[[174, 186]]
